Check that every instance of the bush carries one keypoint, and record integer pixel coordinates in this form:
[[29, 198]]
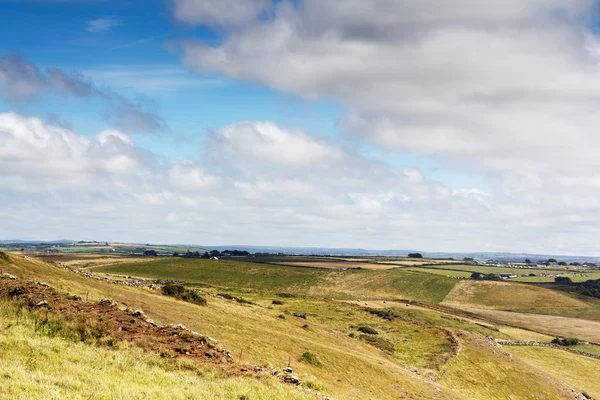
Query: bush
[[388, 314], [180, 292], [281, 316], [565, 341], [368, 330], [278, 302], [173, 289], [303, 316], [415, 255], [310, 358], [240, 300], [378, 342], [564, 280], [305, 326], [193, 297], [285, 295]]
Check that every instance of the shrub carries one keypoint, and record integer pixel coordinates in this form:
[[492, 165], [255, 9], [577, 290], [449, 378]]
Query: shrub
[[565, 341], [278, 302], [240, 300], [305, 326], [351, 334], [285, 295], [378, 342], [310, 358], [193, 297], [563, 280], [173, 289], [180, 292], [368, 330], [281, 316], [303, 316]]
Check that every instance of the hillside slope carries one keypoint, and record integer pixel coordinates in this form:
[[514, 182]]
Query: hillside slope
[[348, 367]]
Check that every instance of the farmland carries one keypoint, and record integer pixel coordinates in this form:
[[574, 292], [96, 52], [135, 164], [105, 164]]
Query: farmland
[[372, 348]]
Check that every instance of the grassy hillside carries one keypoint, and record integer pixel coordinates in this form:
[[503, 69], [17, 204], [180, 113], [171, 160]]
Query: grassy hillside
[[354, 353], [581, 373], [301, 281], [36, 366], [507, 295]]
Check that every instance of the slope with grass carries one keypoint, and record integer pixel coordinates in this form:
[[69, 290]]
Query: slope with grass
[[580, 372], [264, 333], [507, 295], [300, 281], [35, 366]]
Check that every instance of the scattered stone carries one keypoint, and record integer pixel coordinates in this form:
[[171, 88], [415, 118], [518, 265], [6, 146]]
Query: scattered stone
[[151, 322], [138, 313], [108, 303], [258, 369], [291, 379], [42, 303], [75, 297], [288, 370], [8, 276]]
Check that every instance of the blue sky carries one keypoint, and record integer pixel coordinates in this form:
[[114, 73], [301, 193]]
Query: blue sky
[[372, 124]]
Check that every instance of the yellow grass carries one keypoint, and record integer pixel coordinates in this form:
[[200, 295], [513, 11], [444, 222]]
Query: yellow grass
[[507, 295], [580, 372], [351, 368]]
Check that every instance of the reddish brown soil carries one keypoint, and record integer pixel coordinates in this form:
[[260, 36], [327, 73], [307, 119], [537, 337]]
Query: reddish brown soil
[[118, 325]]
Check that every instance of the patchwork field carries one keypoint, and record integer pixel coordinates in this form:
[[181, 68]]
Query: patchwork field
[[373, 349]]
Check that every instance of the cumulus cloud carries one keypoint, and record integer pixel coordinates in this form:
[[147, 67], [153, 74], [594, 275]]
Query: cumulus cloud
[[508, 89], [72, 185], [486, 84], [266, 142], [22, 81]]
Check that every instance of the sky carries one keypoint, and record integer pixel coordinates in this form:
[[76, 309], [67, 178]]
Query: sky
[[462, 126]]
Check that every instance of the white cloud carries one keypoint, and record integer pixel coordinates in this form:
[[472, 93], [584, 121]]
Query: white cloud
[[505, 88], [326, 195], [100, 25], [267, 143]]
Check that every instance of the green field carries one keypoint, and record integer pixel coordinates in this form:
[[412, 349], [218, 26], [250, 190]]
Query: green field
[[314, 282]]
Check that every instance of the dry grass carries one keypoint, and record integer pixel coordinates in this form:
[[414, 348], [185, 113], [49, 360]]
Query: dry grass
[[483, 371], [581, 373], [507, 295], [351, 368], [545, 324]]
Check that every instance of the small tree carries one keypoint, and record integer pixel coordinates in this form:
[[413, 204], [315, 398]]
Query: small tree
[[528, 261], [415, 255], [476, 275]]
